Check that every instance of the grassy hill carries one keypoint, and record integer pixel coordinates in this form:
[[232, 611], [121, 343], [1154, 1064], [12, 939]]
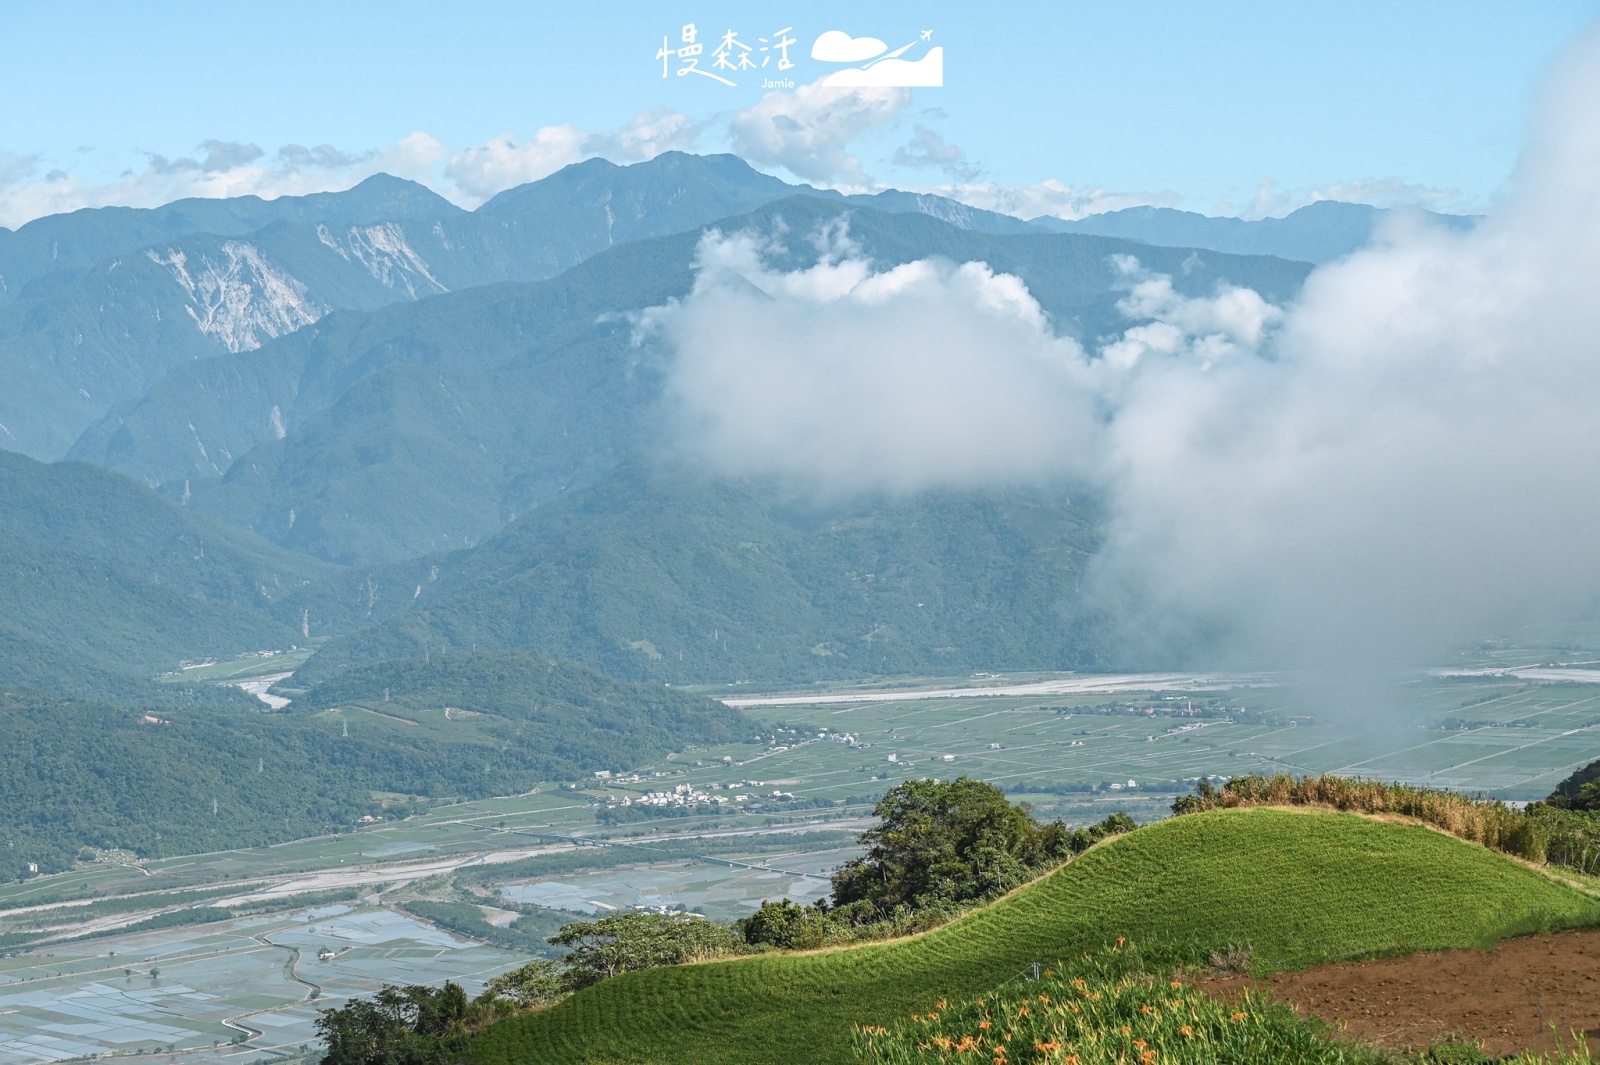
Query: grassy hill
[[1298, 887]]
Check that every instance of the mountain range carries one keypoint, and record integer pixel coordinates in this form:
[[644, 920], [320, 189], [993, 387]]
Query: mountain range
[[1318, 233], [97, 305], [428, 443], [406, 426]]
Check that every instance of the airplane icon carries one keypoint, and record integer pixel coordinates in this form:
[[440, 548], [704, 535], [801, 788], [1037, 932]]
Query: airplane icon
[[927, 35]]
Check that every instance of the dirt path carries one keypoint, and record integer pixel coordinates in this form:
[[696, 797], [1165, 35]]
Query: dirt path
[[1508, 997]]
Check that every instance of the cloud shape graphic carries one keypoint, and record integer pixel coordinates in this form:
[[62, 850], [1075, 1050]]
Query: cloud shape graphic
[[837, 46], [927, 72]]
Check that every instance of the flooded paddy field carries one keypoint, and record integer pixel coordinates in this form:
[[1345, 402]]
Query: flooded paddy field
[[204, 987]]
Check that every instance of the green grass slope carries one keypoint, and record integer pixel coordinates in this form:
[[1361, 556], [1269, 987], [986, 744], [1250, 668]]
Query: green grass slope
[[1299, 887]]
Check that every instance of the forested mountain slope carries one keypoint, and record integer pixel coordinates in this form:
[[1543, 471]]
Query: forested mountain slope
[[103, 582], [373, 437]]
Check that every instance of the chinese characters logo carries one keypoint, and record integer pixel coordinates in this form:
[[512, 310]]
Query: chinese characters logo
[[858, 61], [731, 54]]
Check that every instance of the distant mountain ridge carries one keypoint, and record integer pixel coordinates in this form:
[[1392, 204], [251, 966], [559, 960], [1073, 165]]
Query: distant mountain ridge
[[424, 427], [95, 305], [77, 240], [1317, 233]]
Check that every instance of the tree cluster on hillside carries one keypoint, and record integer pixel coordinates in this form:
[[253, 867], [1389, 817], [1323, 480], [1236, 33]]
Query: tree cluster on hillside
[[943, 842], [939, 845], [1580, 791], [420, 1025], [413, 1025]]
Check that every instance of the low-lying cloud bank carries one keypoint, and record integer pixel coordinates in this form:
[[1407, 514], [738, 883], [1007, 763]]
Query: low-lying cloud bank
[[1406, 456]]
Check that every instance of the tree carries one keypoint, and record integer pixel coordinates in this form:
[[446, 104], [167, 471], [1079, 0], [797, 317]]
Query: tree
[[412, 1025], [626, 941], [1580, 791], [786, 924], [535, 984], [943, 842]]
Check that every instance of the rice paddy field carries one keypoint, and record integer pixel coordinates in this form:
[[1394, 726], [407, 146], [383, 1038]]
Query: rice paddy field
[[1080, 750], [206, 986]]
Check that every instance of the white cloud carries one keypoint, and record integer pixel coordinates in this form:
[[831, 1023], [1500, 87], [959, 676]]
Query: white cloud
[[1405, 457], [226, 155], [808, 131], [846, 378], [1202, 330], [929, 150], [647, 136], [227, 169], [14, 167], [1048, 198], [323, 155], [1417, 463], [504, 162]]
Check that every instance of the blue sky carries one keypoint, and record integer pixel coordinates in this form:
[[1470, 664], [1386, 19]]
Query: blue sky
[[1189, 104]]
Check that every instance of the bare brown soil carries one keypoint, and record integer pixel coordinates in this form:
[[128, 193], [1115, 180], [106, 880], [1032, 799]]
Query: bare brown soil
[[1507, 997]]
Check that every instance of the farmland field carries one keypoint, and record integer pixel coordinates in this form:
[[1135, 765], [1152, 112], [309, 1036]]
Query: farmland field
[[1079, 752], [262, 977]]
